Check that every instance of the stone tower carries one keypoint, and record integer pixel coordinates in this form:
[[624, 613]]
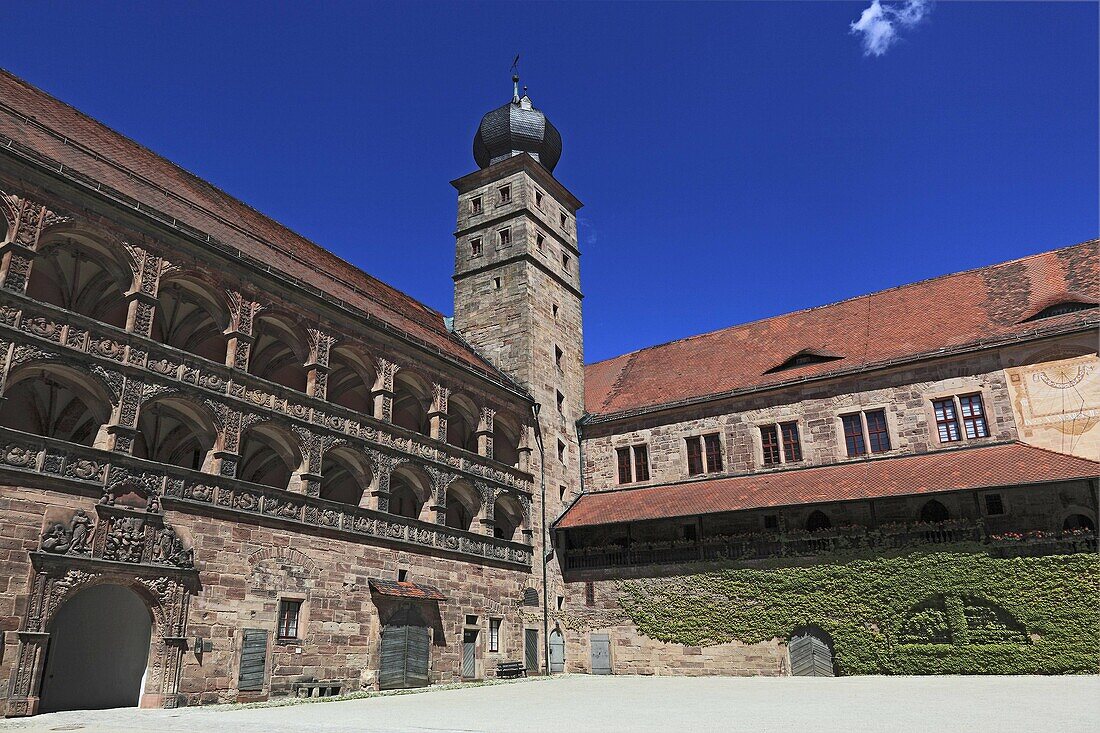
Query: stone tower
[[517, 278]]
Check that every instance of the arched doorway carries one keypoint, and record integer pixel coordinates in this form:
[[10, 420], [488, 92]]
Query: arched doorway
[[406, 649], [811, 653], [557, 652], [98, 651]]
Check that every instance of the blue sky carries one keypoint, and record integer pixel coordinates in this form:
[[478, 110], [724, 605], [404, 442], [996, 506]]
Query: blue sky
[[737, 160]]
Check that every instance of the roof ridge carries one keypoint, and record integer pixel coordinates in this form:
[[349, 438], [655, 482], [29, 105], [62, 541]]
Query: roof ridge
[[214, 188], [852, 299]]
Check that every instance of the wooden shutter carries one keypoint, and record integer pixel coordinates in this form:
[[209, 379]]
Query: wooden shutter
[[391, 673], [417, 653], [531, 650], [253, 660], [810, 657]]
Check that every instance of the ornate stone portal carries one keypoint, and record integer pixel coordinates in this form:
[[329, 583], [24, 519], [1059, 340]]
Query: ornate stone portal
[[128, 546]]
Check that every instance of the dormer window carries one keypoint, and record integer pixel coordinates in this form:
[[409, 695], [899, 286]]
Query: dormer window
[[475, 205], [803, 358], [1061, 309], [505, 194]]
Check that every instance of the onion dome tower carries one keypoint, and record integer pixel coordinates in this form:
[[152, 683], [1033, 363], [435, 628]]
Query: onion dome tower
[[517, 127]]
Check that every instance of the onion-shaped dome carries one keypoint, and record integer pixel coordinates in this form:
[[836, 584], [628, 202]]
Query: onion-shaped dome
[[517, 127]]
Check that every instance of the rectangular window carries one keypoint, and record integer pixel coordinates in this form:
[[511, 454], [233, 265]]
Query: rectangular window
[[475, 247], [878, 437], [625, 474], [505, 237], [853, 434], [973, 416], [713, 445], [769, 441], [641, 463], [561, 452], [494, 634], [563, 220], [538, 198], [539, 241], [505, 194], [288, 618], [589, 593], [695, 456], [561, 403], [792, 445], [771, 521], [558, 354], [565, 262], [994, 505], [947, 422], [475, 205]]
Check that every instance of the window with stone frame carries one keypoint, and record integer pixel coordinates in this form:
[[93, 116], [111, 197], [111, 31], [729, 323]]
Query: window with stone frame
[[589, 593], [289, 612], [475, 205], [505, 237], [973, 416], [780, 443], [633, 463], [865, 432], [494, 634], [539, 241], [475, 247], [704, 454], [947, 420], [505, 194], [538, 198]]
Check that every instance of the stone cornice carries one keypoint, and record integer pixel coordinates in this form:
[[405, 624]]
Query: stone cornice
[[512, 165]]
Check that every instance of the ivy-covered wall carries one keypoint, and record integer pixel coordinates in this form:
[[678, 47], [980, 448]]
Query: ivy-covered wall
[[916, 612]]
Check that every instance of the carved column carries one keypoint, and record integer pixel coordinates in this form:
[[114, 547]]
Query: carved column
[[381, 466], [122, 428], [525, 527], [241, 316], [487, 516], [320, 344], [525, 449], [440, 481], [309, 478], [437, 416], [142, 296], [484, 432], [382, 391], [230, 423], [17, 254]]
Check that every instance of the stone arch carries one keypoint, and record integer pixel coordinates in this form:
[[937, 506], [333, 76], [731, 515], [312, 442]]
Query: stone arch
[[463, 505], [506, 439], [279, 351], [191, 316], [345, 475], [410, 491], [285, 554], [176, 430], [270, 455], [818, 521], [412, 397], [57, 400], [933, 512], [1078, 518], [351, 377], [83, 272], [508, 516], [462, 420]]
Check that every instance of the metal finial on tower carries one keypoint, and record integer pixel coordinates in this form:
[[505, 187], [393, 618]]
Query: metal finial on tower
[[515, 79]]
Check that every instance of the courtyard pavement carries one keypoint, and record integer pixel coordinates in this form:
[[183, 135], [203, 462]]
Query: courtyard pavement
[[648, 704]]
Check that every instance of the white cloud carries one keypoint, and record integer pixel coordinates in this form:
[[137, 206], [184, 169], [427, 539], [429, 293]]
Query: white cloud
[[879, 24]]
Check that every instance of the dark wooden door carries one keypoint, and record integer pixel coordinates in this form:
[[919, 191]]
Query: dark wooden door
[[406, 649], [810, 656], [601, 654], [531, 650], [250, 678]]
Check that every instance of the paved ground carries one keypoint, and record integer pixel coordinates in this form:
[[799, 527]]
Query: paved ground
[[650, 704]]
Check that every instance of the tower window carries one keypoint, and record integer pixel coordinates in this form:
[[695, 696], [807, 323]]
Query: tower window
[[555, 310], [538, 198], [558, 353], [539, 241], [505, 194], [475, 247], [561, 451], [505, 237], [561, 492], [565, 262], [564, 221], [561, 403], [475, 205], [496, 283]]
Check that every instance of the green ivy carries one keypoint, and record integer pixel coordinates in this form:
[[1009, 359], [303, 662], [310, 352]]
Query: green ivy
[[963, 605]]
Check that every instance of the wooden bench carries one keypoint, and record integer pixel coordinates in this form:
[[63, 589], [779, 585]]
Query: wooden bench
[[511, 669]]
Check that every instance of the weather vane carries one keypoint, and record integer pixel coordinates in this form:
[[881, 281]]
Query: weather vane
[[515, 78]]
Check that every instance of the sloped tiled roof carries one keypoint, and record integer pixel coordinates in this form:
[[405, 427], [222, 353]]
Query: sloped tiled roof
[[1004, 464], [922, 319], [406, 589], [53, 129]]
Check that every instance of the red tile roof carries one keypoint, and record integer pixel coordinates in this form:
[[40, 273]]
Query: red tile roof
[[954, 311], [406, 589], [1004, 464], [80, 143]]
